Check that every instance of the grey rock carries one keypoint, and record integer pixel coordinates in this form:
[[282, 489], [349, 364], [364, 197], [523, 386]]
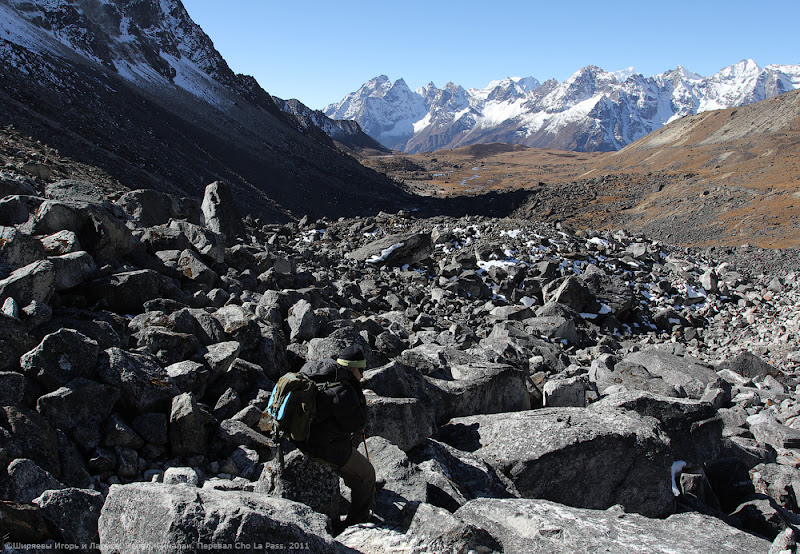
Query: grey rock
[[235, 433], [779, 482], [207, 243], [11, 185], [34, 282], [18, 249], [481, 388], [455, 477], [78, 408], [166, 346], [749, 365], [144, 384], [786, 541], [246, 461], [762, 515], [227, 405], [404, 486], [612, 292], [303, 479], [303, 322], [683, 372], [75, 512], [147, 207], [194, 269], [522, 525], [554, 327], [17, 209], [10, 308], [769, 432], [126, 292], [565, 392], [198, 322], [189, 376], [219, 357], [12, 388], [189, 426], [395, 250], [116, 432], [61, 242], [182, 476], [575, 294], [180, 516], [405, 422], [220, 212], [72, 269], [574, 456], [32, 437], [61, 357], [693, 427], [27, 480], [101, 233], [440, 531]]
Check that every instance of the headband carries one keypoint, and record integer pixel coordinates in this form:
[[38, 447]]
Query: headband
[[352, 363]]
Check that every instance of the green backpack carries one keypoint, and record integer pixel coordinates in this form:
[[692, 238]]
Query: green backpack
[[293, 404]]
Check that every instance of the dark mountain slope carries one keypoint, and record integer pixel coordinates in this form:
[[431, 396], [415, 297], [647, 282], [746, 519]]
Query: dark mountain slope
[[153, 133]]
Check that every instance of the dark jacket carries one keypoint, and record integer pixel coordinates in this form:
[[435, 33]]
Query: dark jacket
[[341, 412]]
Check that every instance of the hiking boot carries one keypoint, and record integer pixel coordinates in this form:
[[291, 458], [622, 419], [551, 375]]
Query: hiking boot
[[352, 519]]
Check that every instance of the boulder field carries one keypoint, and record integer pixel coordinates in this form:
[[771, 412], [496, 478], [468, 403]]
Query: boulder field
[[531, 388]]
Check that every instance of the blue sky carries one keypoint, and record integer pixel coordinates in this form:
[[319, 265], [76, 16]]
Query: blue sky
[[318, 51]]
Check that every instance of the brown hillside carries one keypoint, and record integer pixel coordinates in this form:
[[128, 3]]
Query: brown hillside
[[718, 178]]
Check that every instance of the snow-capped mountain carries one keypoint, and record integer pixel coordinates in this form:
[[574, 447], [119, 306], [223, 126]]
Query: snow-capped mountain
[[136, 87], [593, 110]]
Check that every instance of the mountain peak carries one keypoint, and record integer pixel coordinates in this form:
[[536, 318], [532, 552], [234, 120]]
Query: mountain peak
[[591, 110]]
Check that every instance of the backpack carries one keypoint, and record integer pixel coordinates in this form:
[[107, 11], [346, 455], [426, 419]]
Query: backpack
[[293, 404]]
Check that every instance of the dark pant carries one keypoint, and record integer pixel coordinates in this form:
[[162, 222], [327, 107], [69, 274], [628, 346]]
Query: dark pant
[[359, 475]]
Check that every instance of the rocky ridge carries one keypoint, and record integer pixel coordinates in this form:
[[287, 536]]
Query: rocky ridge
[[592, 111], [141, 334], [175, 116]]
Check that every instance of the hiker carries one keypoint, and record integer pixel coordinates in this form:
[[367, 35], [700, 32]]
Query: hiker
[[341, 412]]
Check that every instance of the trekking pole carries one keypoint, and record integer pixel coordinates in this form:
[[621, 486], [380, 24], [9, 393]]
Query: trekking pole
[[364, 436]]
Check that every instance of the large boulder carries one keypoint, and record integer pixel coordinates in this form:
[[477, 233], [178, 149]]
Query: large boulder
[[749, 365], [72, 269], [395, 250], [455, 477], [74, 512], [148, 207], [18, 249], [523, 525], [78, 408], [27, 480], [779, 482], [32, 437], [403, 484], [303, 479], [220, 212], [189, 425], [127, 291], [687, 376], [694, 429], [34, 282], [405, 422], [104, 236], [179, 517], [61, 357], [480, 388], [144, 384], [575, 456]]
